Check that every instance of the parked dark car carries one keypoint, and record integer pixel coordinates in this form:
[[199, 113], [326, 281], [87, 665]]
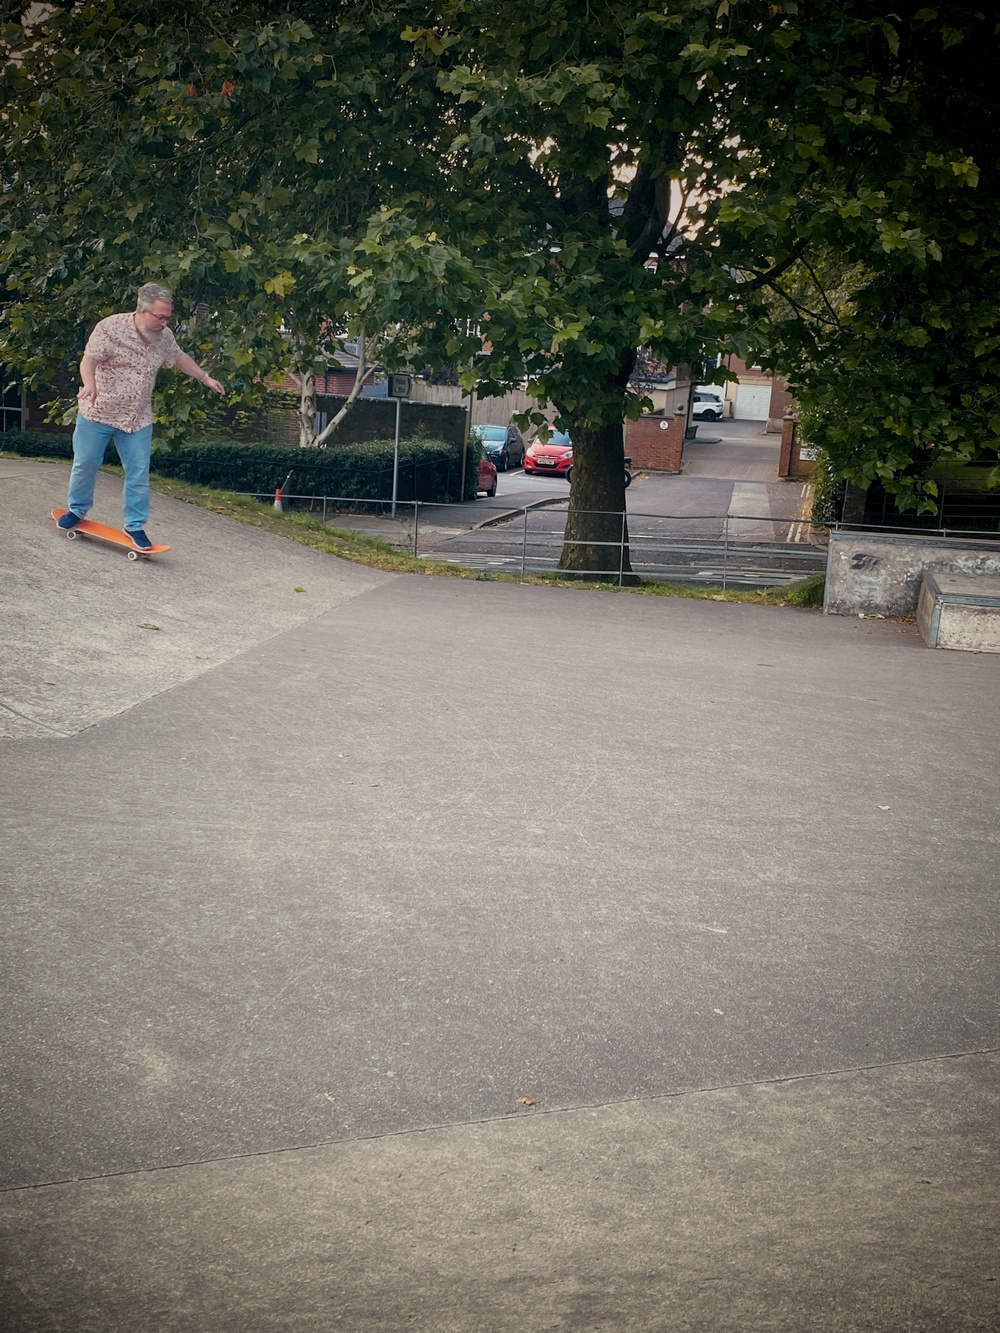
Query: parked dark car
[[503, 444]]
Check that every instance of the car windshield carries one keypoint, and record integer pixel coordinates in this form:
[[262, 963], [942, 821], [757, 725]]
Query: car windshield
[[557, 437], [493, 433]]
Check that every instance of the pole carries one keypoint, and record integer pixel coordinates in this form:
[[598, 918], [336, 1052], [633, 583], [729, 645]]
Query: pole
[[395, 460], [725, 555], [416, 520], [621, 555], [524, 542]]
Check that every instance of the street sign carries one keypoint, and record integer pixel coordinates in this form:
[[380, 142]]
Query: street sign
[[399, 386]]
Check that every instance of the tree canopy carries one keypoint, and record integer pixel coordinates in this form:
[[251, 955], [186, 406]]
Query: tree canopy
[[536, 190], [665, 177], [246, 157]]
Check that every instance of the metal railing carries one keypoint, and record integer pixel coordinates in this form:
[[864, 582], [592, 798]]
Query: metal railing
[[720, 549], [914, 530]]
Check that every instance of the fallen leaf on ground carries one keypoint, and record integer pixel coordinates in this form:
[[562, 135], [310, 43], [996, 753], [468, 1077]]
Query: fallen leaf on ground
[[527, 1101], [300, 589]]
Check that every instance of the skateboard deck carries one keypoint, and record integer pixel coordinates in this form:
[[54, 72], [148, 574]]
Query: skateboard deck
[[106, 533]]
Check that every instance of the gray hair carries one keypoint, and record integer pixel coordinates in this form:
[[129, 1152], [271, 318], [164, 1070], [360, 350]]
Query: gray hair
[[151, 292]]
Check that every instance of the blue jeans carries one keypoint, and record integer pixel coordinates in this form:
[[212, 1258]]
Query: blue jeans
[[90, 439]]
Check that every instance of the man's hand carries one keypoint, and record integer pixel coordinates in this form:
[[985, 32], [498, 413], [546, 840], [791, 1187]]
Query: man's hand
[[214, 385]]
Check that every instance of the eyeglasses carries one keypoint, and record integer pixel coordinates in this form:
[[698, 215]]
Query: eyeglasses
[[162, 318]]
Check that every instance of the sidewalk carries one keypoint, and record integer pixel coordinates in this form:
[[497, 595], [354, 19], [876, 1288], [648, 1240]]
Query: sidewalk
[[467, 957]]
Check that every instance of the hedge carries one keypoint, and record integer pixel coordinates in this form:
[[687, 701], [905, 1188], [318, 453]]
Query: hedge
[[429, 470], [44, 444]]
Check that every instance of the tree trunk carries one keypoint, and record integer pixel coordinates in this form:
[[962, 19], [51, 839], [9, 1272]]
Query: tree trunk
[[596, 529], [596, 537], [307, 410], [367, 352]]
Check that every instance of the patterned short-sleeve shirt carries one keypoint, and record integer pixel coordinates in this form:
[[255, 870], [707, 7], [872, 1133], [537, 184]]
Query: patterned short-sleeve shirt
[[126, 366]]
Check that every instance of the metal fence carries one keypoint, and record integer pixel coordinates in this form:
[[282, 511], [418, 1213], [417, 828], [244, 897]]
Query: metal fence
[[729, 550], [719, 549], [725, 549]]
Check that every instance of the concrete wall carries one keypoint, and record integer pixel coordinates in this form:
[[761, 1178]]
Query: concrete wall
[[666, 400], [875, 574]]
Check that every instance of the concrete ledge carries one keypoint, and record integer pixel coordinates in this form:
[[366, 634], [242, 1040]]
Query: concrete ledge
[[874, 573], [960, 611]]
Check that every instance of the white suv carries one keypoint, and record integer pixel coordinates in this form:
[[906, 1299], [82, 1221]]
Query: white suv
[[707, 406]]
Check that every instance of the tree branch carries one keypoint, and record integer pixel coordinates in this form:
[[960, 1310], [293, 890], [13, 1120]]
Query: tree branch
[[367, 351]]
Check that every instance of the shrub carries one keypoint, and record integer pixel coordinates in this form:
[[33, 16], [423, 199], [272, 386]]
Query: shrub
[[828, 490], [44, 444]]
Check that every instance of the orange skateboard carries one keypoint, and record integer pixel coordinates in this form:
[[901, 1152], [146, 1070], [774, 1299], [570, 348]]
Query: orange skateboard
[[108, 534]]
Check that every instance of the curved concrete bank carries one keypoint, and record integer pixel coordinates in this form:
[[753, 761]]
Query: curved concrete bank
[[87, 633]]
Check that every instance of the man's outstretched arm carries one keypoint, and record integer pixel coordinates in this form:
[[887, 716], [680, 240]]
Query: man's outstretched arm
[[190, 367]]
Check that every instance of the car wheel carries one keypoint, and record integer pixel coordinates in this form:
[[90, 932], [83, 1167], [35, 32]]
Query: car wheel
[[712, 416], [628, 479], [503, 462], [568, 474]]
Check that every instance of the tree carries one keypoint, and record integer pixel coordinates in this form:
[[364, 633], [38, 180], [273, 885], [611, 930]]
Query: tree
[[547, 188], [644, 177], [241, 155], [887, 326]]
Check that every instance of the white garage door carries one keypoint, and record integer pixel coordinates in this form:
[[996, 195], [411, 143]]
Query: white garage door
[[752, 402]]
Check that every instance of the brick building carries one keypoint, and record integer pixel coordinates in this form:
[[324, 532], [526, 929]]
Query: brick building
[[758, 395]]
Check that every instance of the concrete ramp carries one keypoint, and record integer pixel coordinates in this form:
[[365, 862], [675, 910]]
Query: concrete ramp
[[86, 633]]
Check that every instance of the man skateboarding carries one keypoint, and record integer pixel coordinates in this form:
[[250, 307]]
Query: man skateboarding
[[118, 371]]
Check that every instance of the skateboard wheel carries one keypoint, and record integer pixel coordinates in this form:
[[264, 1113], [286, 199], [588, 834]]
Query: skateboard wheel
[[71, 534], [133, 555]]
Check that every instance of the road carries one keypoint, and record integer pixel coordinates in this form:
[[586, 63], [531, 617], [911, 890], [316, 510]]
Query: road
[[729, 518], [725, 519]]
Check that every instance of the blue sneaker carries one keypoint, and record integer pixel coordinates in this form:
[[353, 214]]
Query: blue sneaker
[[140, 539], [68, 520]]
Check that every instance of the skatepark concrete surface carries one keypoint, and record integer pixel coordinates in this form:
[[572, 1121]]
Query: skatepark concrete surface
[[461, 956], [88, 632]]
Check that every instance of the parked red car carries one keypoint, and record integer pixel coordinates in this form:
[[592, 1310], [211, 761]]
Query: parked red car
[[487, 476], [555, 456]]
